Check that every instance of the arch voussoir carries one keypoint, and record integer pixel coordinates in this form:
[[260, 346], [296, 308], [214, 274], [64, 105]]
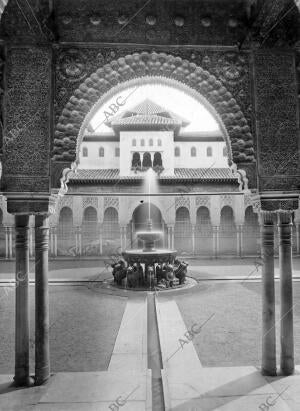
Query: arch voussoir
[[162, 65]]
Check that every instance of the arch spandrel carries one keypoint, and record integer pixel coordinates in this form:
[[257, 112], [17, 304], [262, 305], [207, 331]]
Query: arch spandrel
[[142, 68]]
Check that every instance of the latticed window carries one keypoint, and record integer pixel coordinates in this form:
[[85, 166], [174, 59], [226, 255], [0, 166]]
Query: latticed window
[[85, 152], [159, 142], [117, 152], [209, 151], [151, 142], [177, 152], [142, 142], [134, 142], [66, 242], [111, 229], [136, 160], [157, 160], [147, 162], [193, 152], [90, 232], [101, 152]]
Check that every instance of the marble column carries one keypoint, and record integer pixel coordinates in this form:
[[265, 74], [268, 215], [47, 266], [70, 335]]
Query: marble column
[[55, 241], [78, 240], [22, 331], [286, 293], [297, 238], [169, 236], [216, 239], [6, 242], [30, 242], [42, 353], [100, 243], [10, 242], [193, 239], [172, 237], [239, 232], [268, 295]]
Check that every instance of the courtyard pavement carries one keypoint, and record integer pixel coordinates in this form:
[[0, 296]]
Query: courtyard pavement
[[98, 343]]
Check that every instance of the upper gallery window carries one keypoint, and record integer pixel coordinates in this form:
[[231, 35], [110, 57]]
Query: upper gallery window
[[151, 142], [159, 142], [193, 152], [101, 152], [177, 152], [209, 152], [117, 152], [225, 151], [85, 152], [142, 142], [134, 142]]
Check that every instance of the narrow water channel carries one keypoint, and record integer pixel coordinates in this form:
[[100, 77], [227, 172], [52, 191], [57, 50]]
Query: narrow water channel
[[154, 355]]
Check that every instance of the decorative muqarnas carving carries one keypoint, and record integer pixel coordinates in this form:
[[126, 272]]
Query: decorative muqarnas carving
[[162, 65], [182, 202], [111, 202]]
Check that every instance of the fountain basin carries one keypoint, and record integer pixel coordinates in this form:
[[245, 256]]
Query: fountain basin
[[149, 238], [149, 257]]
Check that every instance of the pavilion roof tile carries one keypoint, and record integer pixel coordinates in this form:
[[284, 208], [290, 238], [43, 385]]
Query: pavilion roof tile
[[112, 174]]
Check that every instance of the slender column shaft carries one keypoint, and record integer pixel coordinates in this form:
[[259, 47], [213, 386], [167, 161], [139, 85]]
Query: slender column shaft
[[22, 301], [239, 232], [298, 238], [193, 239], [10, 242], [268, 295], [6, 242], [172, 238], [42, 354], [55, 241], [286, 293], [216, 246], [100, 243], [241, 241], [30, 242]]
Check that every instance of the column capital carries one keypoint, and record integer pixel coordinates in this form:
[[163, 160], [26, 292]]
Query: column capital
[[275, 202], [31, 203], [284, 218]]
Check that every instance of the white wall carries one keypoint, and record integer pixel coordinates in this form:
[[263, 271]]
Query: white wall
[[201, 160], [93, 161]]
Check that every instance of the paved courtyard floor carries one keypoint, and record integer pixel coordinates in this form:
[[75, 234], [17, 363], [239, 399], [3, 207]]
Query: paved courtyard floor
[[100, 346]]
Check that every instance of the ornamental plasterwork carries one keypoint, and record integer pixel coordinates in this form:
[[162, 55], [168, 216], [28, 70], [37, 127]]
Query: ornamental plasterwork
[[111, 202], [203, 201], [232, 68], [182, 202], [90, 201], [225, 200]]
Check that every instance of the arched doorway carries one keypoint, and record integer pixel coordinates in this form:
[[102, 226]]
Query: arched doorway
[[182, 231], [110, 230], [90, 232], [65, 234], [228, 236], [203, 233], [251, 235], [139, 220]]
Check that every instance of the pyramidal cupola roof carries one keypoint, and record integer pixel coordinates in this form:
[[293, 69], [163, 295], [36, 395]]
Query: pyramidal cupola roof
[[147, 115]]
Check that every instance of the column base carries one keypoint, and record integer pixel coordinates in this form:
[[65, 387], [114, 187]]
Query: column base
[[25, 381], [42, 375], [269, 373]]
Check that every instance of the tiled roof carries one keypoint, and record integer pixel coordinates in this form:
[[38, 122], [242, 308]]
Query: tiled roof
[[112, 174], [144, 120]]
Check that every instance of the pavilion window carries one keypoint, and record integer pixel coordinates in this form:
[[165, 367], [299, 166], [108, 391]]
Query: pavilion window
[[151, 142], [101, 152], [209, 152], [117, 152], [134, 142], [157, 160], [142, 142], [136, 160], [159, 142], [85, 152], [147, 162], [193, 152], [177, 152]]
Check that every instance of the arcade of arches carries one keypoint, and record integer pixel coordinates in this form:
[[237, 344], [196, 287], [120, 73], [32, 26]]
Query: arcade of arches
[[60, 67]]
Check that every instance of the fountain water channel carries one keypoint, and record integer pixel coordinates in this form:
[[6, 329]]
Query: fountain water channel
[[148, 268]]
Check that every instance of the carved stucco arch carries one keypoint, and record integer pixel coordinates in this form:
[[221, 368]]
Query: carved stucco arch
[[133, 205], [138, 68]]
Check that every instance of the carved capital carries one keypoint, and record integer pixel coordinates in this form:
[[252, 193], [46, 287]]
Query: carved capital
[[275, 202], [27, 203]]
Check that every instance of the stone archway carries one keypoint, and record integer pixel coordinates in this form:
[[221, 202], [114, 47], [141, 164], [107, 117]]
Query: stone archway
[[140, 68]]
